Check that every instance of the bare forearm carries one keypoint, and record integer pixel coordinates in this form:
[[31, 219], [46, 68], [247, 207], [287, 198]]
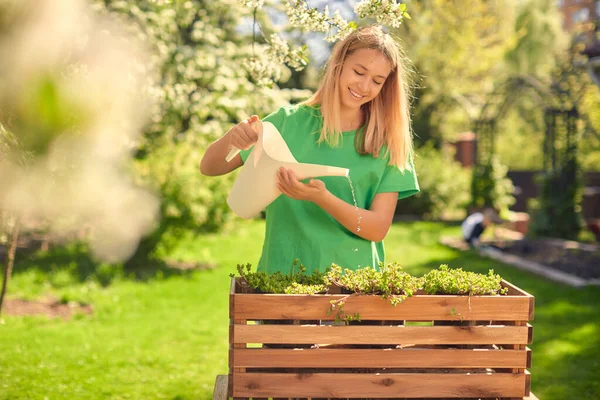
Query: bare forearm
[[242, 136], [373, 226], [213, 162]]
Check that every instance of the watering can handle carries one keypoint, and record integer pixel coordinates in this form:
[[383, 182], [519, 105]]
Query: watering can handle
[[235, 151]]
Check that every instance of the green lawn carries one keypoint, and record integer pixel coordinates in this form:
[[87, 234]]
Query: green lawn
[[165, 336]]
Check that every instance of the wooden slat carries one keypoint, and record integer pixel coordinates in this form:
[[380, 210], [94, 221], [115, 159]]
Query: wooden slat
[[522, 347], [232, 290], [379, 385], [513, 290], [237, 345], [233, 344], [232, 296], [416, 308], [379, 358], [311, 334], [220, 390]]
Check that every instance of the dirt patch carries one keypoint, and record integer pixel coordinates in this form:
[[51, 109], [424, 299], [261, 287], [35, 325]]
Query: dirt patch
[[49, 307], [575, 259], [188, 265]]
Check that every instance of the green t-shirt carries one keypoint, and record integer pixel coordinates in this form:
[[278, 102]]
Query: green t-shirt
[[301, 229]]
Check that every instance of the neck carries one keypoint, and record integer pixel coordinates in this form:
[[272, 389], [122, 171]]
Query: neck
[[351, 119]]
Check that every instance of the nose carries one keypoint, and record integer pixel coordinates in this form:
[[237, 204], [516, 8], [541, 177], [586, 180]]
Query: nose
[[363, 85]]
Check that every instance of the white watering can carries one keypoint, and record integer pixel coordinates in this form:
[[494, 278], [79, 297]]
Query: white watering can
[[255, 187]]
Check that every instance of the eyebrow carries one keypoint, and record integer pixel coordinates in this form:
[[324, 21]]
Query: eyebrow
[[365, 68]]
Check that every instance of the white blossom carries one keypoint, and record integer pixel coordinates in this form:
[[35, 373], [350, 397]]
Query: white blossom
[[307, 18], [386, 12], [252, 3], [278, 48], [264, 70]]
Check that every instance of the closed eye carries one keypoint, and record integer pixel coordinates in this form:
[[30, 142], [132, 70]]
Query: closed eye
[[377, 83]]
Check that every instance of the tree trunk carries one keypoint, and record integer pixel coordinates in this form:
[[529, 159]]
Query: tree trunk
[[10, 259]]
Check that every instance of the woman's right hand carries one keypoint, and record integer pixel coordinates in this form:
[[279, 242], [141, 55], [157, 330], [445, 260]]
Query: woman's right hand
[[245, 134], [220, 158]]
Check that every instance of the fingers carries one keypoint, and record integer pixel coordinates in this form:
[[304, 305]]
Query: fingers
[[285, 190], [243, 136], [283, 184], [239, 139], [282, 179], [250, 133], [289, 179], [289, 185]]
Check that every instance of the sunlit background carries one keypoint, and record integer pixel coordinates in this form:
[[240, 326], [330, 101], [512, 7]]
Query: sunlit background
[[116, 251]]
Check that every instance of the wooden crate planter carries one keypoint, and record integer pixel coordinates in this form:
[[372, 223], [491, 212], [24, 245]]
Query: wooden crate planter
[[484, 356]]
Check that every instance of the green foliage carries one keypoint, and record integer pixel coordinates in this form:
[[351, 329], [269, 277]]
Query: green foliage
[[522, 128], [197, 304], [389, 281], [190, 201], [557, 211], [490, 187], [199, 88], [449, 281], [444, 184], [45, 113], [295, 283], [589, 147], [539, 38], [458, 48]]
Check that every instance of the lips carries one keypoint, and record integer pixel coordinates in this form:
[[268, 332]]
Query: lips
[[355, 95]]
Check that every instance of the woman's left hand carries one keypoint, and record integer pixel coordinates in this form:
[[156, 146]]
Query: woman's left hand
[[289, 185]]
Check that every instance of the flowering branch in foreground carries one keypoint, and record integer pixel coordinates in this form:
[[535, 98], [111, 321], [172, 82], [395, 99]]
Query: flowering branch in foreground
[[266, 70]]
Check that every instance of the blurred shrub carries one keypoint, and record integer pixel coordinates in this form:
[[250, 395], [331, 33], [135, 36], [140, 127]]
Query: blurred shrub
[[200, 89], [491, 187], [444, 185], [557, 212]]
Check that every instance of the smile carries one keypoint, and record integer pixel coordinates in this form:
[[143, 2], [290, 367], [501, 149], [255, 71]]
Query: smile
[[355, 95]]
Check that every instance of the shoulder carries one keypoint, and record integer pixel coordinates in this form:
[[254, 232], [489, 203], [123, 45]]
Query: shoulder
[[475, 218], [293, 115], [291, 110], [384, 157]]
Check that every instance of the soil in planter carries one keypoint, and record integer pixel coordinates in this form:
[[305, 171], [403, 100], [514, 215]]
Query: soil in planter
[[579, 262]]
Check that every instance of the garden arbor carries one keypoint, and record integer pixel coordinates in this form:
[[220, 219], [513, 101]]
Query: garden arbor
[[556, 213]]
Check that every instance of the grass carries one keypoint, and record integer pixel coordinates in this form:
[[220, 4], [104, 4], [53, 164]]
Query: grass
[[164, 336]]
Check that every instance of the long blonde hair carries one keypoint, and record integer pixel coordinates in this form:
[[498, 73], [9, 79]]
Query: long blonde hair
[[387, 122]]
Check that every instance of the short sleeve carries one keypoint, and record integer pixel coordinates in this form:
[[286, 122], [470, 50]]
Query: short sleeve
[[404, 182], [277, 118]]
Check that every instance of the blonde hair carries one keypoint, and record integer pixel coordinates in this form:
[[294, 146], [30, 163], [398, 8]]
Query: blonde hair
[[387, 122]]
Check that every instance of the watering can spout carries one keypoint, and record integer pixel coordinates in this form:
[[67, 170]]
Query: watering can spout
[[256, 185], [306, 171]]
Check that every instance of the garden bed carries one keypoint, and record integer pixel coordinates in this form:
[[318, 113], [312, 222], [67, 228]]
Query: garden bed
[[429, 346], [570, 257]]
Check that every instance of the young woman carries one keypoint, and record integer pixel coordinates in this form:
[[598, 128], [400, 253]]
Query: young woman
[[358, 119]]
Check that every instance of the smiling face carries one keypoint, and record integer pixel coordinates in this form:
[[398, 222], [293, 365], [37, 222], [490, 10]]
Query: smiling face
[[363, 75]]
